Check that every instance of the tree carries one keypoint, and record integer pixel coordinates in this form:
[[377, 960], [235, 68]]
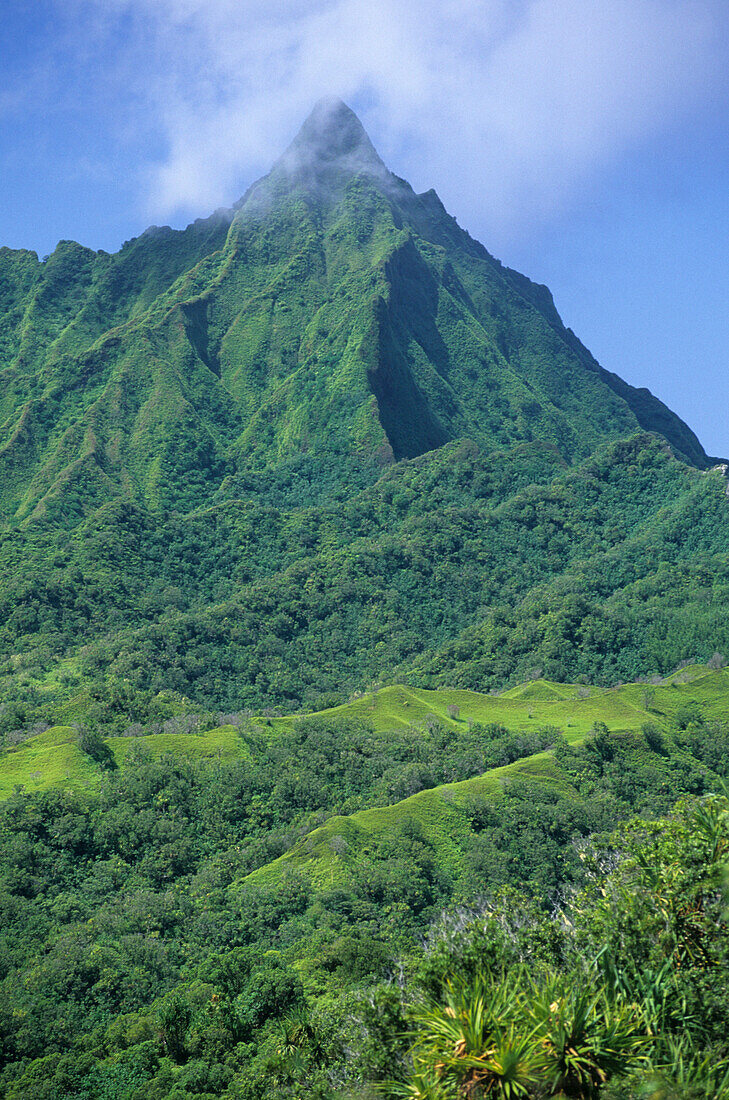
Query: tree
[[92, 743], [175, 1016], [689, 714], [653, 736]]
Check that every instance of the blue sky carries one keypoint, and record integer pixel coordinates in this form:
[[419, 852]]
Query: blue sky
[[585, 142]]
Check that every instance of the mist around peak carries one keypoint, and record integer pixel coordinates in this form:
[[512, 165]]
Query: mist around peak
[[332, 130], [331, 144]]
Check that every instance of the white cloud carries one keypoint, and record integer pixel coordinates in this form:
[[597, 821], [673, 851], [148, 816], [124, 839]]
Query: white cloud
[[507, 107]]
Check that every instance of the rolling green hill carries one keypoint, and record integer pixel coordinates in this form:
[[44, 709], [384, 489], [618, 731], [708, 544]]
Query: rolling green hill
[[225, 903], [53, 759], [445, 813]]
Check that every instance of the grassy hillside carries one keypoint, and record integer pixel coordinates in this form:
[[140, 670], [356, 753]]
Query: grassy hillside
[[53, 759], [441, 816], [445, 813]]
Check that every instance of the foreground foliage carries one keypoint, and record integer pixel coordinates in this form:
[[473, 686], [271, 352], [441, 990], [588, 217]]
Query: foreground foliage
[[166, 938], [637, 1007]]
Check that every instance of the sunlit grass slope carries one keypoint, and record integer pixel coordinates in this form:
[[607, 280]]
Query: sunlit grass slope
[[527, 707], [53, 758], [573, 708], [326, 855], [50, 759]]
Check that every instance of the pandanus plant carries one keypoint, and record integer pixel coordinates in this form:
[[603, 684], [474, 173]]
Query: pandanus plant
[[679, 1072], [518, 1038], [586, 1036], [478, 1042]]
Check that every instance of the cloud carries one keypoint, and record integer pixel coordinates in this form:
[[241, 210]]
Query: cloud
[[507, 107]]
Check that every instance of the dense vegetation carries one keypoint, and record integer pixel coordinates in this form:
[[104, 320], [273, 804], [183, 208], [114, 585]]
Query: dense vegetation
[[143, 953], [622, 995], [457, 568], [305, 450]]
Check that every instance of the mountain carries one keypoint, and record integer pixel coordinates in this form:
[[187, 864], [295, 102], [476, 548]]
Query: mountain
[[333, 314], [322, 438], [326, 552]]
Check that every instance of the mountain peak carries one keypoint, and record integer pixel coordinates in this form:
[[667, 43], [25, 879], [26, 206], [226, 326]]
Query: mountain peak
[[332, 130], [332, 139]]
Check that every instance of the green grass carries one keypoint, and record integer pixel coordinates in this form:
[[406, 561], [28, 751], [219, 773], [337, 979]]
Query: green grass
[[441, 812], [224, 743], [523, 708], [52, 758], [573, 708]]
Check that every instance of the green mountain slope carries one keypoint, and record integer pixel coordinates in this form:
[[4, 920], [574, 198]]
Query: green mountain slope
[[457, 568], [53, 758], [334, 314], [320, 440]]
